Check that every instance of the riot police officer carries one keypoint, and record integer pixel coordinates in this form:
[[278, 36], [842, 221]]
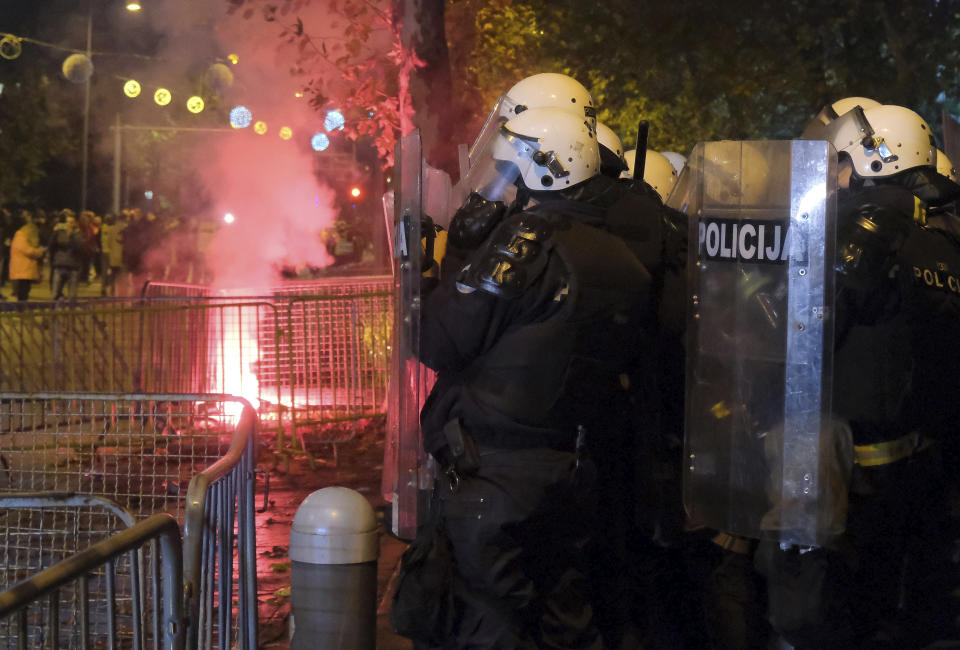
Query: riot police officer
[[895, 384], [529, 335]]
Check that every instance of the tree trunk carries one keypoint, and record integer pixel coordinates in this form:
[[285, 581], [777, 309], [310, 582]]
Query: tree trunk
[[435, 112]]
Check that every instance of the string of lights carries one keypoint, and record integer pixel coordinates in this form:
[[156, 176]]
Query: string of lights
[[77, 67]]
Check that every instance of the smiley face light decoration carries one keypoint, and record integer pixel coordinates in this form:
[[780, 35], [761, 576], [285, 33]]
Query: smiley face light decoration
[[132, 88], [195, 104], [162, 96]]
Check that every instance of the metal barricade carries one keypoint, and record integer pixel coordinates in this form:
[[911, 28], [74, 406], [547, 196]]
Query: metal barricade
[[303, 361], [36, 603], [142, 451], [214, 499], [153, 289], [41, 529], [338, 286]]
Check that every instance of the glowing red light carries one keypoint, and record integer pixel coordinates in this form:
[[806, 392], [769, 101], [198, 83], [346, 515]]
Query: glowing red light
[[355, 192]]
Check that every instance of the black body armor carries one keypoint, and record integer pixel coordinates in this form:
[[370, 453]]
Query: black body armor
[[559, 365], [897, 364]]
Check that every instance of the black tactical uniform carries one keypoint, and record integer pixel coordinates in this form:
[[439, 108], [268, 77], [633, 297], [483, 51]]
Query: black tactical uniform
[[531, 341], [896, 381]]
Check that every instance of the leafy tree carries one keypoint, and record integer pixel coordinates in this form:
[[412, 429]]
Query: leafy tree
[[354, 57], [32, 132], [727, 69], [696, 71]]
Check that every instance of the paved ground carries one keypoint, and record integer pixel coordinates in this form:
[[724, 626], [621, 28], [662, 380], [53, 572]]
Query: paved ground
[[40, 291], [291, 480]]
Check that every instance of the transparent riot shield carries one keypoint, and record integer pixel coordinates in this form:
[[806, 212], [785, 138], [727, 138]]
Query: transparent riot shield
[[408, 471], [759, 440]]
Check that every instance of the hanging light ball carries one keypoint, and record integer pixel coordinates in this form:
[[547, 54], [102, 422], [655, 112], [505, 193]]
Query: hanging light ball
[[162, 96], [260, 127], [319, 141], [195, 104], [286, 132], [77, 68], [334, 121], [10, 47], [240, 117], [131, 88]]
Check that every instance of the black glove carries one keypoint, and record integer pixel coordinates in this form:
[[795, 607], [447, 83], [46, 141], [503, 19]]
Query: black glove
[[871, 235], [474, 221]]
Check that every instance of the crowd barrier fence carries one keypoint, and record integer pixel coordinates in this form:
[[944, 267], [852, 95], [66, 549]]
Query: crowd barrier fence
[[189, 455]]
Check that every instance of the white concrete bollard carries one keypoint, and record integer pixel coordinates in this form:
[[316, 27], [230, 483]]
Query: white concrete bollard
[[333, 579]]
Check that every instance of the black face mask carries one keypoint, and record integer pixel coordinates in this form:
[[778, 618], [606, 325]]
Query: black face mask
[[924, 183]]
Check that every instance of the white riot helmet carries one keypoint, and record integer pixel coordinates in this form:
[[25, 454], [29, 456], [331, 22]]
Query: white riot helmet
[[549, 89], [900, 140], [658, 171], [846, 104], [678, 161], [612, 162], [942, 187], [550, 148], [945, 167]]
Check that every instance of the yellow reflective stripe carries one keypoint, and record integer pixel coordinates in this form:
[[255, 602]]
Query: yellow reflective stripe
[[733, 543], [884, 453], [919, 211]]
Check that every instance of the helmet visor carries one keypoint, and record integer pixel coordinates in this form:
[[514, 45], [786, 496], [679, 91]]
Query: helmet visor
[[493, 169], [851, 128], [823, 118], [491, 126]]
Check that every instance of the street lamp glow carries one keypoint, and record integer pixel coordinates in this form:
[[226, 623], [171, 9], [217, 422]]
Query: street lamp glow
[[195, 104], [240, 117], [134, 6], [162, 96], [355, 192], [286, 132], [228, 218], [319, 141], [132, 88]]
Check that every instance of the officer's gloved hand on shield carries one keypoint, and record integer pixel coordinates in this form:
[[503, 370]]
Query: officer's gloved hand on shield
[[488, 188], [474, 206], [867, 239]]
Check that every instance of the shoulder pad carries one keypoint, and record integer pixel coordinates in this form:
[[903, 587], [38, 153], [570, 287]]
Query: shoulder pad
[[512, 258]]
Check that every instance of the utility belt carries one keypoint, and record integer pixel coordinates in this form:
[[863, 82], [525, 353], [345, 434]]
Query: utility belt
[[462, 456], [890, 451]]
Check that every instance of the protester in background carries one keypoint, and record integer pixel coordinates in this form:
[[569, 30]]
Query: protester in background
[[136, 238], [44, 223], [25, 256], [111, 254], [90, 228], [67, 247], [6, 237]]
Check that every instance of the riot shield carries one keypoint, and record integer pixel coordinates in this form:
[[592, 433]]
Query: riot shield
[[759, 440], [408, 471]]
